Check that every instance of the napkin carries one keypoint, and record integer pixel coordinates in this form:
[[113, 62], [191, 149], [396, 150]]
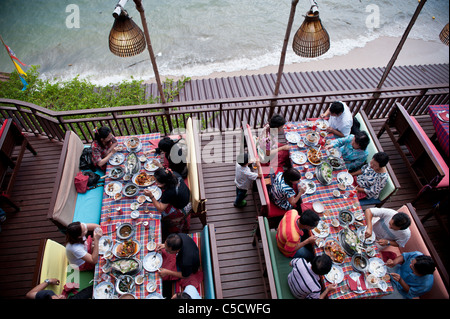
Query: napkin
[[154, 143], [444, 116], [354, 285]]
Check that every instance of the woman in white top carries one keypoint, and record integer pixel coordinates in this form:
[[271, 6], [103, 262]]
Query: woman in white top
[[80, 250], [340, 119]]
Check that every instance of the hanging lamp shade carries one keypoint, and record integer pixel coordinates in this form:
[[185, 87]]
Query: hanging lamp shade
[[311, 40], [126, 38], [444, 35]]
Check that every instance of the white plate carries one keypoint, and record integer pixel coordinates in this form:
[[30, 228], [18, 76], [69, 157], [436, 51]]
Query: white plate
[[293, 137], [334, 152], [148, 183], [345, 178], [152, 264], [116, 188], [336, 274], [311, 186], [355, 276], [104, 290], [151, 286], [105, 243], [322, 124], [149, 166], [299, 158], [318, 207], [360, 233], [114, 250], [377, 267], [324, 229], [156, 192], [116, 159]]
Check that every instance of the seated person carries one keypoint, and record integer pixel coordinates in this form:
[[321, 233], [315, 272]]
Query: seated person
[[189, 292], [304, 279], [340, 119], [267, 142], [39, 292], [392, 229], [292, 241], [80, 250], [353, 149], [181, 257], [282, 192], [174, 204], [103, 147], [174, 154], [412, 275], [371, 178]]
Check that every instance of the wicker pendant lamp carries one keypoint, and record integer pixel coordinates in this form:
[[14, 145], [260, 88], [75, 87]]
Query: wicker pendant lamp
[[311, 40], [444, 35], [126, 38]]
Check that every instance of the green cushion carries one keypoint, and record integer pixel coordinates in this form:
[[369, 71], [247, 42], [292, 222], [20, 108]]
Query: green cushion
[[280, 265], [371, 149]]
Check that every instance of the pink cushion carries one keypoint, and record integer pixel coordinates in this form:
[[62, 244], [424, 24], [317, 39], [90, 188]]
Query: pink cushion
[[416, 243], [445, 181]]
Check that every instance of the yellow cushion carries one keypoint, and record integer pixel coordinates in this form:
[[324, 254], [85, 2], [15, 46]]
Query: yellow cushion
[[54, 265], [192, 166]]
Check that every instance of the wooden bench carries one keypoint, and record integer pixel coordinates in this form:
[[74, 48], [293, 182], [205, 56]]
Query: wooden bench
[[51, 262], [374, 147], [420, 241], [195, 172], [273, 264], [10, 137], [66, 205], [425, 164], [211, 287]]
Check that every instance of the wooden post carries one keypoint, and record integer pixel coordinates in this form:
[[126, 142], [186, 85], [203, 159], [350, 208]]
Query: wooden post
[[283, 56], [395, 55]]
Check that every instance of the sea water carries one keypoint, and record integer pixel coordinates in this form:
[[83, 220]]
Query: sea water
[[194, 37]]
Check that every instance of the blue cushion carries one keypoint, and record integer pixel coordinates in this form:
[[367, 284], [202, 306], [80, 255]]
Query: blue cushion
[[88, 207], [206, 264]]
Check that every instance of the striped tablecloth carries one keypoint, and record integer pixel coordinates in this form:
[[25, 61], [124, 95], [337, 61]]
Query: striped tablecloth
[[439, 117], [333, 205], [111, 219]]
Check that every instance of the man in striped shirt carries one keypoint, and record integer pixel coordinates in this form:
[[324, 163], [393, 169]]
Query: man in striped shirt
[[292, 241], [304, 279]]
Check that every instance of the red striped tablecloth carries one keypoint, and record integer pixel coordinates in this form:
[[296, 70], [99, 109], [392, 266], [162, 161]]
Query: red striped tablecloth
[[333, 205], [111, 219]]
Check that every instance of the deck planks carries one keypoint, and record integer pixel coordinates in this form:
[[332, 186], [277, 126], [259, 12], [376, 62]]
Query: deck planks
[[238, 261]]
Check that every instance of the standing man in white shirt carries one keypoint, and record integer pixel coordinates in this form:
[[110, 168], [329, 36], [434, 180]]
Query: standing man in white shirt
[[340, 119], [243, 179]]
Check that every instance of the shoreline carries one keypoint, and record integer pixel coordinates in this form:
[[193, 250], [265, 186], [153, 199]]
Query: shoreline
[[376, 53]]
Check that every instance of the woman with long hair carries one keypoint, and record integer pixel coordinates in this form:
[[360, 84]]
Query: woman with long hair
[[174, 204], [103, 147], [82, 251], [174, 154]]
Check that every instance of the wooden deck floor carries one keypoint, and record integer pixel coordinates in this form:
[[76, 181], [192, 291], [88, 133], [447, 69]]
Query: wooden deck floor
[[19, 239]]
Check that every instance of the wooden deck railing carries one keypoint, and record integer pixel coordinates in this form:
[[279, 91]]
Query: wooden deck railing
[[220, 114]]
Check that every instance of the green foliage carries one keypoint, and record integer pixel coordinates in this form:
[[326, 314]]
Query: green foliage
[[79, 93]]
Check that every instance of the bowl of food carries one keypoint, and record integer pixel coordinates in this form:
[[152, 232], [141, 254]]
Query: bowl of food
[[134, 214], [336, 162], [335, 222], [125, 284], [130, 190], [336, 193], [359, 262], [346, 217], [320, 242], [141, 199], [312, 138], [372, 280], [139, 280], [133, 143], [314, 157], [125, 231], [324, 173]]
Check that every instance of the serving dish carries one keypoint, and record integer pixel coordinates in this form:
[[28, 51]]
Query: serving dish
[[324, 173], [126, 266], [143, 179], [333, 249], [130, 190], [125, 231]]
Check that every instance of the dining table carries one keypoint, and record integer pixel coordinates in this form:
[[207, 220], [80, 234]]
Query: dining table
[[118, 208], [440, 117], [330, 197]]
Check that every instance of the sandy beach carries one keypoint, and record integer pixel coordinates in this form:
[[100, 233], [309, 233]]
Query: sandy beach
[[376, 53]]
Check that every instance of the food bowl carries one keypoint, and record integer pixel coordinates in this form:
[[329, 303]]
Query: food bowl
[[359, 262], [125, 284], [125, 231], [342, 186], [336, 193], [134, 214], [320, 242], [130, 190], [346, 217], [139, 280], [324, 173], [335, 222], [141, 199], [373, 280], [309, 175], [335, 162]]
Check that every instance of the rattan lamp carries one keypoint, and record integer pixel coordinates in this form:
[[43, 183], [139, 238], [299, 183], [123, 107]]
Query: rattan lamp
[[311, 40], [444, 35], [126, 38]]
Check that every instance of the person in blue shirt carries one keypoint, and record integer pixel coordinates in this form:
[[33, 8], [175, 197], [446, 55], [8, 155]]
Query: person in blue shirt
[[353, 149], [412, 275]]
